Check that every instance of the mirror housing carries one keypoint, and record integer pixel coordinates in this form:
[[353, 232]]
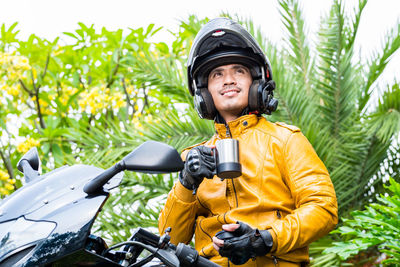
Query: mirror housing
[[29, 164], [153, 157], [149, 157]]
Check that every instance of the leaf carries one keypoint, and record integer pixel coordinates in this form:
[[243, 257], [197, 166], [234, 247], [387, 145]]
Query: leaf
[[57, 153], [71, 35]]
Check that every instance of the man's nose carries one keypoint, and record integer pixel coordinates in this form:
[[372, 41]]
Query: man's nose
[[229, 79]]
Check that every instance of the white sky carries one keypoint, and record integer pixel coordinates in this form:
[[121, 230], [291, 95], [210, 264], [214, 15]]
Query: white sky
[[49, 18]]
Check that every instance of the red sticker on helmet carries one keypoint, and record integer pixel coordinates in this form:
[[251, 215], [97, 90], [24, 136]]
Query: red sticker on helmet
[[218, 33]]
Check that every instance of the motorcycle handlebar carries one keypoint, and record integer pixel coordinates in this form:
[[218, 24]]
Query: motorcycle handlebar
[[203, 262], [186, 255], [190, 257]]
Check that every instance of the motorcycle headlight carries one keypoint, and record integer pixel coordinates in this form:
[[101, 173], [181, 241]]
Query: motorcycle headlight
[[19, 233]]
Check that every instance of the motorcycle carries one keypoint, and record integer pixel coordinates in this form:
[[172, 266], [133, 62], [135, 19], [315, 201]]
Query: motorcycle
[[48, 221]]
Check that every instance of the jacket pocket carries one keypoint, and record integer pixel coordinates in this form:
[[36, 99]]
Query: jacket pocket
[[208, 251], [278, 214], [281, 214]]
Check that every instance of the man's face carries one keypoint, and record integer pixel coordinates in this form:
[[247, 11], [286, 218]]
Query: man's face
[[229, 87]]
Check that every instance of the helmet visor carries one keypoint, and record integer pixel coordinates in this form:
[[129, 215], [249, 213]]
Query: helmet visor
[[204, 65]]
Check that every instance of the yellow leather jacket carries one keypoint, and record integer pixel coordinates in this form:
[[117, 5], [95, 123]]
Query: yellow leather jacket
[[284, 187]]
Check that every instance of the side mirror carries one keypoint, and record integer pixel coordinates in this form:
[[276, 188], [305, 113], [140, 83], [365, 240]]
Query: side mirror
[[153, 157], [149, 157], [29, 164]]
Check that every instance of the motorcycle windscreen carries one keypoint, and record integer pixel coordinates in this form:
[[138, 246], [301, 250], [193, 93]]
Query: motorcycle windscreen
[[18, 234]]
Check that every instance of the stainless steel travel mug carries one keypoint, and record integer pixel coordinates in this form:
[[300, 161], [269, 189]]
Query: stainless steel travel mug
[[227, 157]]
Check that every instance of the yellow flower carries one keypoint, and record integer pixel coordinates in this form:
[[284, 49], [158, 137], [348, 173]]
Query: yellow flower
[[4, 176], [21, 63], [12, 75], [34, 72], [12, 90], [130, 89], [149, 119], [64, 100], [120, 104], [9, 186], [136, 123], [43, 103], [4, 192], [58, 51], [46, 111], [28, 144]]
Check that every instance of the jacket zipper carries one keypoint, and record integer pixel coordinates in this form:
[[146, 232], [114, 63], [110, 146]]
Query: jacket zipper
[[234, 191], [275, 260], [228, 131]]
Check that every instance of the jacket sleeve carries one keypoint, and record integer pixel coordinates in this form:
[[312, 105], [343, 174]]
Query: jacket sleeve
[[179, 213], [314, 196]]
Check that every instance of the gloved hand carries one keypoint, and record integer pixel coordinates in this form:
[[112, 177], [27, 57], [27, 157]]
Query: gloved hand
[[199, 163], [244, 243]]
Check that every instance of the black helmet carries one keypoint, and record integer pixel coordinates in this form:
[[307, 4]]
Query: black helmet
[[220, 42]]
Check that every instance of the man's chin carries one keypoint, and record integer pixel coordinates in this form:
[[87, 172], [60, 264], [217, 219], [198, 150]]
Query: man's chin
[[233, 111]]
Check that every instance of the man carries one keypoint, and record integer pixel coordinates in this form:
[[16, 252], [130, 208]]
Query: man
[[284, 199]]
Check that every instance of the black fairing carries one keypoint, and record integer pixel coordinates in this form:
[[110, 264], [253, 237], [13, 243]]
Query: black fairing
[[56, 197]]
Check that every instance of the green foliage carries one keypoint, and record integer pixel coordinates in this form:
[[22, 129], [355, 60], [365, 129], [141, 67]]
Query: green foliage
[[376, 226], [326, 92], [50, 89]]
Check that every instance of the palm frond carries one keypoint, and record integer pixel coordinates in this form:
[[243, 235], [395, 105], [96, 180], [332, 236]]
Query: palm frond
[[385, 121], [355, 22], [179, 129], [337, 85], [102, 144], [377, 64], [164, 76], [299, 53]]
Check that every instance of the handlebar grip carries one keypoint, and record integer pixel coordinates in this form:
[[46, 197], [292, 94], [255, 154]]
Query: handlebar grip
[[188, 256], [203, 262]]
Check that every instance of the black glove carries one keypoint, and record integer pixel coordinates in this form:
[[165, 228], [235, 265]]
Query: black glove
[[244, 243], [199, 163]]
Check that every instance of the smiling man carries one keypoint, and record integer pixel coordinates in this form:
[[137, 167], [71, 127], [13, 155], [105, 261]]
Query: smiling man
[[229, 88], [284, 199]]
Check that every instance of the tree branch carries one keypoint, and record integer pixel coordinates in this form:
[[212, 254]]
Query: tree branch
[[127, 97], [146, 100], [39, 112], [7, 164], [46, 66], [25, 88]]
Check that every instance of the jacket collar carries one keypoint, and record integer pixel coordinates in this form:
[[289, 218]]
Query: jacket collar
[[235, 127]]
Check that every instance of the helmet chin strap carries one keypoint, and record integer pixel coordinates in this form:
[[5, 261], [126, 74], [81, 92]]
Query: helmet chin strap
[[219, 119]]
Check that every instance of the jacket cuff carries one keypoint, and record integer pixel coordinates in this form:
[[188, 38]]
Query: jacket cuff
[[274, 240], [183, 194]]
